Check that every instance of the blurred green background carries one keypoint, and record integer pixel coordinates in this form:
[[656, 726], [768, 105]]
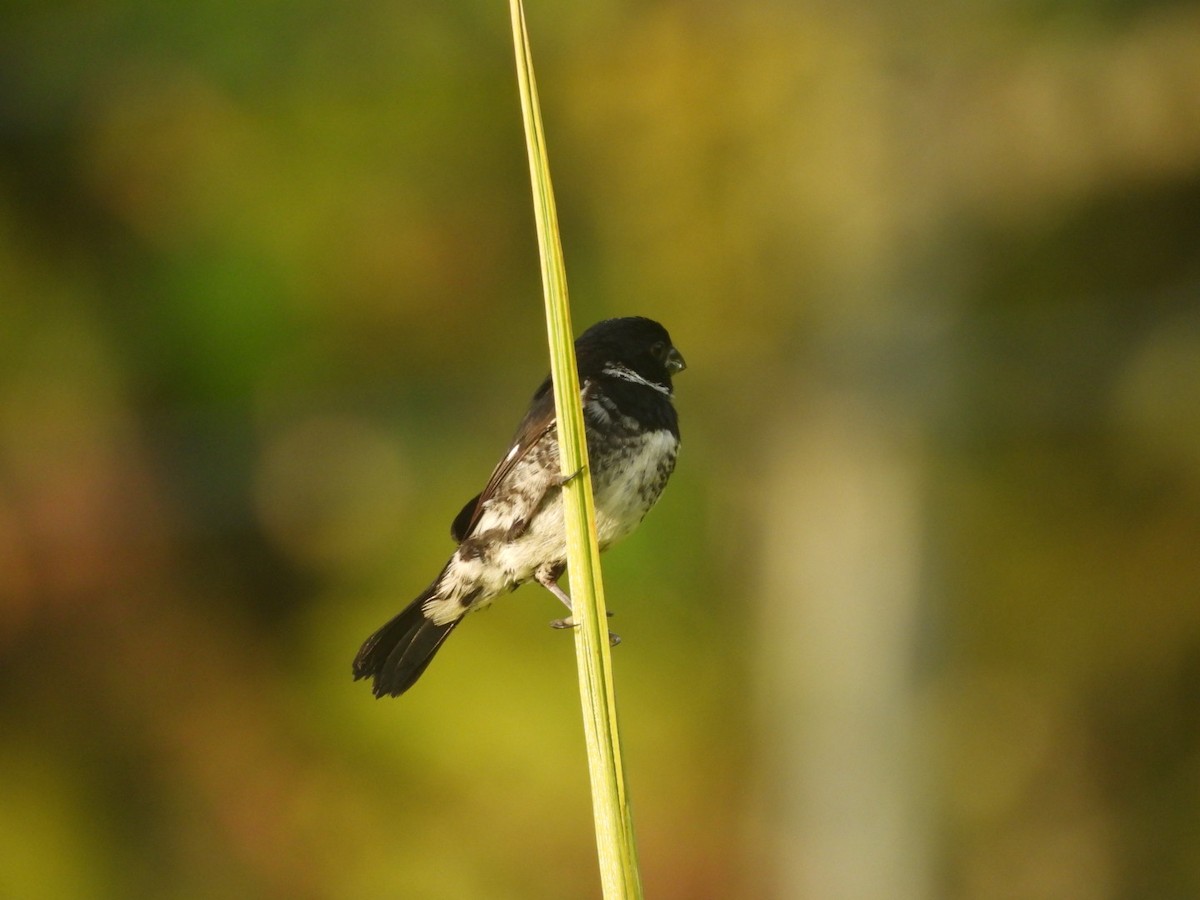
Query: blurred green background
[[919, 616]]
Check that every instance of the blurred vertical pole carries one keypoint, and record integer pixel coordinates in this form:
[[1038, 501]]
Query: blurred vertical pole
[[845, 794], [840, 596]]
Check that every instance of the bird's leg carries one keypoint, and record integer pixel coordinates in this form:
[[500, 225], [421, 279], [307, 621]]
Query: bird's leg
[[548, 578]]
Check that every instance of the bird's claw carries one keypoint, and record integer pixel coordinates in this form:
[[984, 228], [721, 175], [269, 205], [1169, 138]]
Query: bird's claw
[[569, 622], [564, 480]]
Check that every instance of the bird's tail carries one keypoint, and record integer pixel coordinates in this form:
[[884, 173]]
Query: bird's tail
[[397, 654]]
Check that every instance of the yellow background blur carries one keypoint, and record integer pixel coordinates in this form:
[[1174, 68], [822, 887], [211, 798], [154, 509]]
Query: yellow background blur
[[919, 616]]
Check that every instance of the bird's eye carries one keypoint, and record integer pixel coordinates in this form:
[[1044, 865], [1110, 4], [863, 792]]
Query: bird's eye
[[659, 350]]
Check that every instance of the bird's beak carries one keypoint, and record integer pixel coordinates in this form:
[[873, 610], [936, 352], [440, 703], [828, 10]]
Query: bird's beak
[[675, 361]]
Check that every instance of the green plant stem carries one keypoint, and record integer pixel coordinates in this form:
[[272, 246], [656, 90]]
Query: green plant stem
[[610, 801]]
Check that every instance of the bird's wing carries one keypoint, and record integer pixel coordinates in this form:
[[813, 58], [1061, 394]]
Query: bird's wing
[[538, 421]]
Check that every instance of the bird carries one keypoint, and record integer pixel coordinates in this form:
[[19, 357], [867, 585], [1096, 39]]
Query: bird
[[513, 532]]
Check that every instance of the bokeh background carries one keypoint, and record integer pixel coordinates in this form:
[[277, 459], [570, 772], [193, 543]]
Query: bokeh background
[[919, 616]]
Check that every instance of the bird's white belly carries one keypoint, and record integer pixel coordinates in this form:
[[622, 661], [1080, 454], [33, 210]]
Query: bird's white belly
[[622, 502]]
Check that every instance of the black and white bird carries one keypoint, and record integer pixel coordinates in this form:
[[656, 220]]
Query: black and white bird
[[513, 532]]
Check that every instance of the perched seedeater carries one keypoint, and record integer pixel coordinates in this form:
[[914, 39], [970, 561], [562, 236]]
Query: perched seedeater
[[512, 532]]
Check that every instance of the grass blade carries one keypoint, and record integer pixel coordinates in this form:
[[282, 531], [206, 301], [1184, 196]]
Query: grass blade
[[610, 801]]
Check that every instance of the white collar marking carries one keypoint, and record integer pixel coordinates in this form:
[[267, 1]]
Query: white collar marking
[[616, 370]]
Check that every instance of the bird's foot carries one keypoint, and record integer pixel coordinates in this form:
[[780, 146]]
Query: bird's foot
[[564, 480], [569, 622]]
